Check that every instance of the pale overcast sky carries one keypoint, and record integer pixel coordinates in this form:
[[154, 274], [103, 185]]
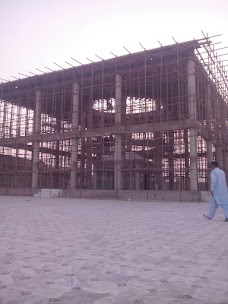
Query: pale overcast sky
[[36, 33]]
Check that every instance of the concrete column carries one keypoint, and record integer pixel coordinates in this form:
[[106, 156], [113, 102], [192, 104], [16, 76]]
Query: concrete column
[[171, 160], [36, 144], [209, 117], [209, 159], [193, 129], [89, 145], [137, 176], [158, 161], [158, 156], [226, 165], [186, 159], [95, 179], [208, 110], [218, 152], [56, 173], [74, 148], [218, 124], [224, 134], [209, 121], [224, 138], [209, 151], [118, 137]]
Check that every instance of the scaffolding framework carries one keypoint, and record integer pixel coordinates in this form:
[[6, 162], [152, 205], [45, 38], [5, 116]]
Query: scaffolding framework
[[148, 121]]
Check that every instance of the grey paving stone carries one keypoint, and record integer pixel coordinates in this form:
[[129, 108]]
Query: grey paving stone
[[110, 252]]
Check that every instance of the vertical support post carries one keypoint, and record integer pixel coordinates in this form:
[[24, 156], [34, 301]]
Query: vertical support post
[[193, 128], [89, 149], [57, 176], [118, 137], [171, 160], [218, 152], [36, 144], [224, 138], [95, 180], [158, 156], [186, 159], [74, 148], [208, 114], [223, 132], [158, 161], [217, 127], [137, 176], [209, 159]]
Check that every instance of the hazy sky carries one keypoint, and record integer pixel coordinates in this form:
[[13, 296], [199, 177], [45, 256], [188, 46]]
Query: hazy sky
[[36, 33]]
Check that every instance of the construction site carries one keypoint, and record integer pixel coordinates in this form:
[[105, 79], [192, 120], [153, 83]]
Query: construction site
[[140, 126]]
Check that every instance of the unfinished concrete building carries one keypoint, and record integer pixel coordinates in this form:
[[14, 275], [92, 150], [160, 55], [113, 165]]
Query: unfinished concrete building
[[139, 126]]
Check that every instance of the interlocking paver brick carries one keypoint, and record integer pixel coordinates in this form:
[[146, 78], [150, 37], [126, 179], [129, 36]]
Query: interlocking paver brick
[[111, 252]]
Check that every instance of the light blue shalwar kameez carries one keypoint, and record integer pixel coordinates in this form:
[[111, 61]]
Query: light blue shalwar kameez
[[220, 193]]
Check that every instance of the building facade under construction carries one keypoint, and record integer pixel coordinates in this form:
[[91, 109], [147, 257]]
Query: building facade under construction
[[140, 126]]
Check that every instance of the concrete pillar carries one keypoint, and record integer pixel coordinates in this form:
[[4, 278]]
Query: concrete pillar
[[56, 173], [224, 138], [226, 165], [218, 152], [193, 129], [137, 176], [209, 118], [89, 145], [36, 144], [208, 110], [158, 161], [158, 151], [186, 159], [171, 160], [74, 148], [118, 137], [95, 179], [209, 159], [218, 124], [224, 133], [209, 122]]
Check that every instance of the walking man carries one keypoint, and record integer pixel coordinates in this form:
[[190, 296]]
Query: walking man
[[219, 192]]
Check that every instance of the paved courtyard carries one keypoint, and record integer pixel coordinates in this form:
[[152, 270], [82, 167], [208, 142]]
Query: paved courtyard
[[104, 252]]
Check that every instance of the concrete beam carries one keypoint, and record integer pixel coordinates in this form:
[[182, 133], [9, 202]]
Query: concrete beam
[[117, 129]]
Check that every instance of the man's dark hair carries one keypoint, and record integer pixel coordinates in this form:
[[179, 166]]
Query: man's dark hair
[[215, 163]]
